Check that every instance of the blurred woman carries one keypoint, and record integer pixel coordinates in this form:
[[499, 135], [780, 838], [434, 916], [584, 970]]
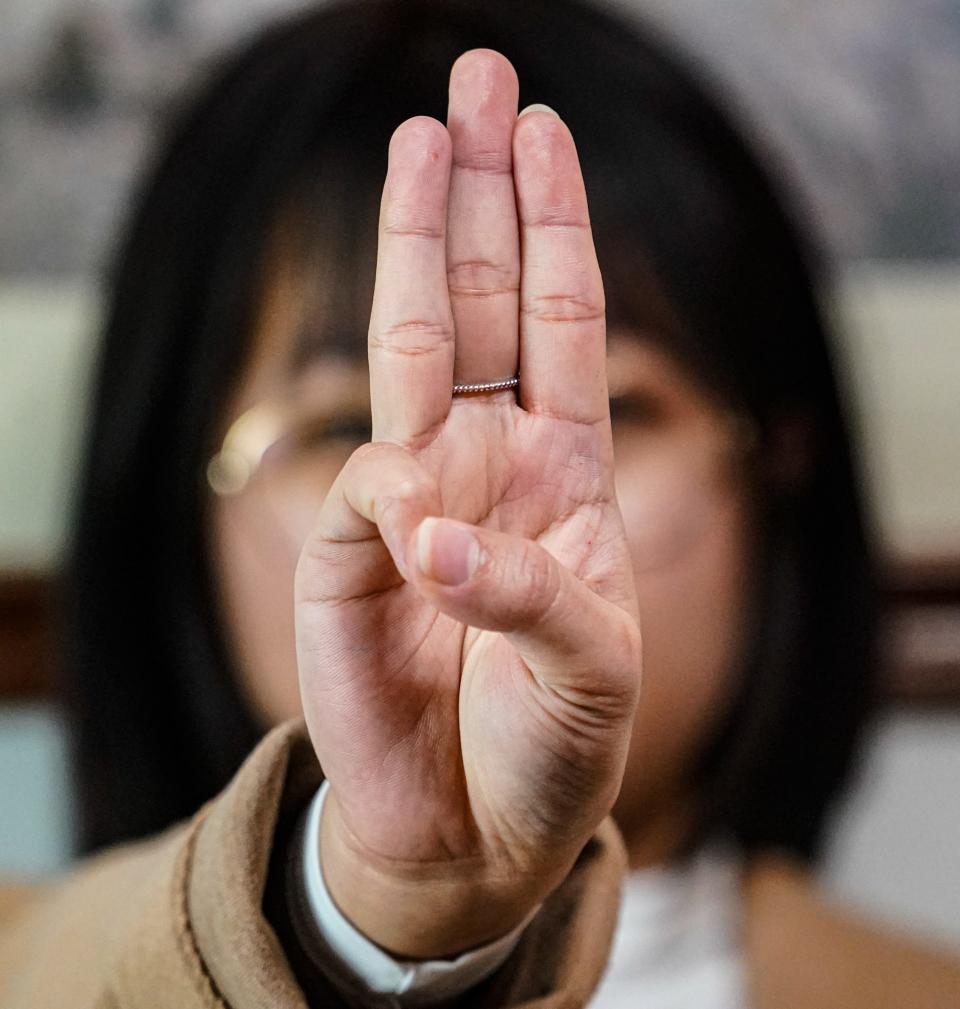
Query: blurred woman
[[440, 614]]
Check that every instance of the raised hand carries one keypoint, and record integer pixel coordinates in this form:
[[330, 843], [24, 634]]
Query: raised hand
[[467, 628]]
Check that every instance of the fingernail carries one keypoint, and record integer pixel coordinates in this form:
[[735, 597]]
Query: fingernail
[[537, 107], [447, 552]]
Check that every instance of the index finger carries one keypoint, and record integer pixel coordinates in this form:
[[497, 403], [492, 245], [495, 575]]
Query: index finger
[[410, 341]]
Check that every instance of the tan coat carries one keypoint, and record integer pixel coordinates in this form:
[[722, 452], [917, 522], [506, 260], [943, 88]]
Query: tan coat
[[176, 922]]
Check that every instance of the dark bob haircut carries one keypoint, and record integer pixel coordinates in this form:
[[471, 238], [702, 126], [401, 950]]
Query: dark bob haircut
[[295, 126]]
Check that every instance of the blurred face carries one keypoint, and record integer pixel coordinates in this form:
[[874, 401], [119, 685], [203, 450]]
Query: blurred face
[[682, 490]]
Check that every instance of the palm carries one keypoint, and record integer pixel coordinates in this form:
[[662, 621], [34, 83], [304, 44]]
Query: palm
[[413, 717], [445, 740]]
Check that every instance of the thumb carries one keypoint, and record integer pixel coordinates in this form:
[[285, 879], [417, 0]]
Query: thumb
[[579, 645]]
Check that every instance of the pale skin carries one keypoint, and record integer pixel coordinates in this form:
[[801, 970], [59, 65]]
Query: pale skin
[[473, 726], [525, 442], [460, 619]]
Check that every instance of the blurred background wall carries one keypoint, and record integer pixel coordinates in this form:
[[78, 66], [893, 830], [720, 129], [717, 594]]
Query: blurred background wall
[[854, 102]]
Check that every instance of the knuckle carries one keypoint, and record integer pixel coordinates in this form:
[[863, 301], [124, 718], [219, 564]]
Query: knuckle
[[406, 229], [388, 475], [413, 337], [563, 308], [482, 278], [559, 219], [372, 456], [627, 655], [481, 161], [361, 455], [402, 492], [317, 556], [629, 642]]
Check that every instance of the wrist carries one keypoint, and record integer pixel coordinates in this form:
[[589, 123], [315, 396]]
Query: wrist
[[418, 911]]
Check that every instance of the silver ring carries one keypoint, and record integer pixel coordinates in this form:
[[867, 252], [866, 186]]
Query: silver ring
[[495, 386]]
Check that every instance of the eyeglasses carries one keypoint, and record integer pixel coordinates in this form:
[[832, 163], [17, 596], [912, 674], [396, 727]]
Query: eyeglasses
[[286, 450], [321, 417]]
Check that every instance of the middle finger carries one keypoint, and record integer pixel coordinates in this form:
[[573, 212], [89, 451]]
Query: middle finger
[[483, 242]]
